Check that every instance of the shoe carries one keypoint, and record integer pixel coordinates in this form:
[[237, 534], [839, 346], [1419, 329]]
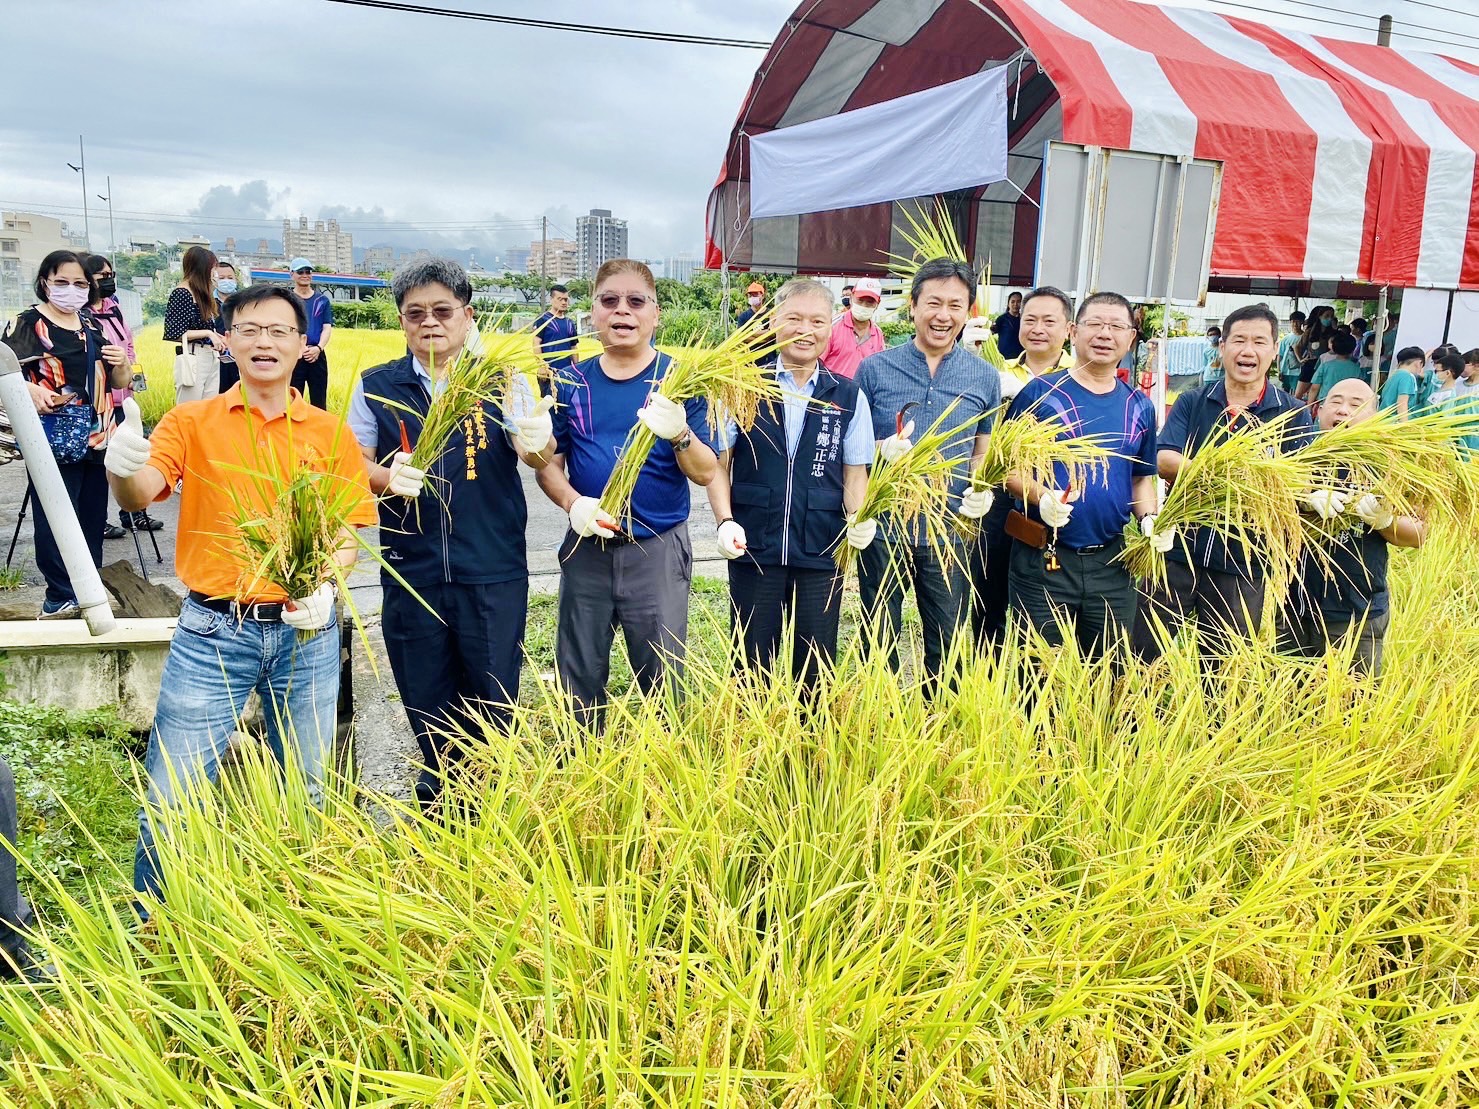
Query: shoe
[[59, 610], [139, 521], [113, 531]]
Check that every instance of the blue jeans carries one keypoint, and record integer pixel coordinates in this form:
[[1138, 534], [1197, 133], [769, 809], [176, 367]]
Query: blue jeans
[[214, 664]]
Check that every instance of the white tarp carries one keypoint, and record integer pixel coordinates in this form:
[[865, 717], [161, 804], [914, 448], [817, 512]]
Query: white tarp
[[952, 136]]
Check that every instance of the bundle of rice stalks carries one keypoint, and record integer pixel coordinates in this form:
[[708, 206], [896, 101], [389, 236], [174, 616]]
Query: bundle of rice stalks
[[728, 374], [492, 365], [1243, 487], [1030, 446], [1418, 468], [929, 237], [913, 489], [292, 528]]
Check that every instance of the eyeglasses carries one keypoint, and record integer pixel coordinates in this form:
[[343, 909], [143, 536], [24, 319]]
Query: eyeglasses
[[252, 330], [58, 284], [1092, 326], [300, 273], [442, 312], [635, 301]]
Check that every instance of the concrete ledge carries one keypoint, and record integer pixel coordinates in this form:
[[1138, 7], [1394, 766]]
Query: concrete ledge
[[57, 662]]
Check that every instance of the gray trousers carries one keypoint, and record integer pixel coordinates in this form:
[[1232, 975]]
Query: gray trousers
[[1090, 596], [1226, 607], [641, 587], [1311, 633]]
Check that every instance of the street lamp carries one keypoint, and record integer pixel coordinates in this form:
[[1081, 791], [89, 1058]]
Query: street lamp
[[112, 238], [81, 168]]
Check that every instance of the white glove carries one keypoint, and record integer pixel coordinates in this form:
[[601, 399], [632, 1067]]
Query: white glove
[[976, 503], [1053, 510], [128, 450], [588, 520], [1377, 516], [859, 535], [310, 613], [1327, 504], [1011, 384], [534, 431], [1161, 539], [666, 419], [731, 539], [974, 335], [405, 480], [895, 445]]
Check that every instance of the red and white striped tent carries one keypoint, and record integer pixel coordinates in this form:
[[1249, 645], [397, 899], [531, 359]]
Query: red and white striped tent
[[1344, 162]]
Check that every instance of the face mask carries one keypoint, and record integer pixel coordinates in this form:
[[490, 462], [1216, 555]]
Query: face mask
[[863, 312], [755, 302], [107, 286], [226, 287], [68, 298]]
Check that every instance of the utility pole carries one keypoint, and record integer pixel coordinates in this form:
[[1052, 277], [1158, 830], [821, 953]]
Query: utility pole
[[543, 261], [112, 237], [1384, 31], [81, 167]]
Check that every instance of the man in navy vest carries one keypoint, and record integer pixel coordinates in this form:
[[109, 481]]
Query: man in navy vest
[[456, 539], [795, 478]]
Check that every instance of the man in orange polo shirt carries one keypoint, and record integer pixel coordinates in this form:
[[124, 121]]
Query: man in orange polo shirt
[[237, 634]]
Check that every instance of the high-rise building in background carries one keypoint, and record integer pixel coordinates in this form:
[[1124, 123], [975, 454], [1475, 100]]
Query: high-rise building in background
[[25, 239], [261, 257], [681, 267], [516, 259], [601, 237], [378, 259], [323, 244], [560, 261]]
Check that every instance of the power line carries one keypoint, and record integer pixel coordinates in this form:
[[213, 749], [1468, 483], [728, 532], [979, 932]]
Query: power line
[[1397, 24], [217, 221], [1396, 30], [551, 25]]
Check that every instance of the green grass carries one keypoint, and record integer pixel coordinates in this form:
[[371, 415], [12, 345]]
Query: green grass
[[74, 784], [11, 577]]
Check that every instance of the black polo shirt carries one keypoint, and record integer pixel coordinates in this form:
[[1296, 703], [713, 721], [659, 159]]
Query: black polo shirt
[[1201, 413]]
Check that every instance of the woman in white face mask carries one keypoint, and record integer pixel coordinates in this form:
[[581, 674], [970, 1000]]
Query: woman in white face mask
[[224, 282], [70, 370]]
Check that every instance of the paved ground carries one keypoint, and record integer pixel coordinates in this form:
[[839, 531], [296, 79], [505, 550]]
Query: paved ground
[[383, 743]]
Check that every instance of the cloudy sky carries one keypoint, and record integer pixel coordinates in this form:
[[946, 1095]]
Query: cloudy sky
[[222, 118]]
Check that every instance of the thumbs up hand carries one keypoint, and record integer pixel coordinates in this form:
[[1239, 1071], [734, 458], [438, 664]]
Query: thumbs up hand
[[128, 450]]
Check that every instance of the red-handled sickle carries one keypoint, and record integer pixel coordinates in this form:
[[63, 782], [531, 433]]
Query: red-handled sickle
[[902, 416]]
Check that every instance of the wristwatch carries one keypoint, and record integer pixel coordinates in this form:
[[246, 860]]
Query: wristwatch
[[684, 441]]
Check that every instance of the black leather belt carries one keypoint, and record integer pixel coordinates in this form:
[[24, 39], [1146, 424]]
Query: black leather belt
[[265, 612], [1093, 547]]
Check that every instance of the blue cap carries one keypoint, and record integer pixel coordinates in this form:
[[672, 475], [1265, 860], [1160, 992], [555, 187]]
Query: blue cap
[[300, 263]]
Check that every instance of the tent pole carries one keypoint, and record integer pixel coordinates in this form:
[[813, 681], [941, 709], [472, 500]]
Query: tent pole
[[1162, 363], [1381, 327]]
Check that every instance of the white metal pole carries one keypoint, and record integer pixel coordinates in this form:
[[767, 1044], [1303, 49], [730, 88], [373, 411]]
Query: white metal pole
[[1381, 327], [51, 495], [82, 168]]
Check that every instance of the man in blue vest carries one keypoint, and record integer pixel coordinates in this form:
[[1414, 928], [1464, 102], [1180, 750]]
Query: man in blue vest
[[455, 533], [795, 478]]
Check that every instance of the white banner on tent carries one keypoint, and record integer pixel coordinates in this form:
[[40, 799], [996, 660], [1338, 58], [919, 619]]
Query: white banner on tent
[[953, 136]]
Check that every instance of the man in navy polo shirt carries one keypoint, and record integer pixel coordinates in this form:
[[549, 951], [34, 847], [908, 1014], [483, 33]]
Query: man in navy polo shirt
[[1074, 583], [796, 476], [554, 331], [929, 375], [1215, 584], [455, 534], [636, 580]]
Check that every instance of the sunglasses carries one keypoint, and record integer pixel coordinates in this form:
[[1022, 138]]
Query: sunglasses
[[442, 312], [635, 301]]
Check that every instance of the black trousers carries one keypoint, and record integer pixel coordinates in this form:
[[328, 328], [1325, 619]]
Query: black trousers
[[87, 488], [1090, 596], [1225, 606], [448, 670], [230, 374], [312, 379], [990, 563], [764, 599]]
